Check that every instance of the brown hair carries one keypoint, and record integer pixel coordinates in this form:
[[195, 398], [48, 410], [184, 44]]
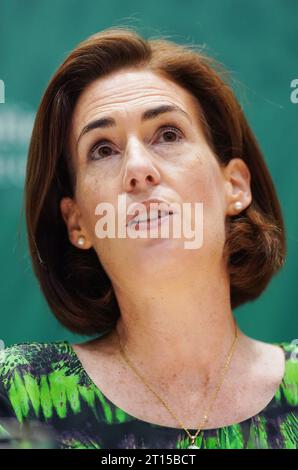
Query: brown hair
[[75, 285]]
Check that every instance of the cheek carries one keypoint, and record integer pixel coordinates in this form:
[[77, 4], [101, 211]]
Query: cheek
[[204, 185], [89, 193], [214, 216], [92, 191], [201, 184]]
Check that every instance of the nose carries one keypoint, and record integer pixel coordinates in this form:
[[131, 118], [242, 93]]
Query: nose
[[140, 170]]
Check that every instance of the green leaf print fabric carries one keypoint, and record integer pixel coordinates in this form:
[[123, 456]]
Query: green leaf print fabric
[[47, 399]]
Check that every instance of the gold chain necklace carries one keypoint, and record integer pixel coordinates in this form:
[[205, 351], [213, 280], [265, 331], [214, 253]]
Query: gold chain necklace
[[211, 403]]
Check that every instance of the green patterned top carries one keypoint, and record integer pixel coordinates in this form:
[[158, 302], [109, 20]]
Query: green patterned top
[[47, 399]]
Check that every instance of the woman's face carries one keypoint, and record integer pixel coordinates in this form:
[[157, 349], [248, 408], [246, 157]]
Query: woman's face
[[164, 156]]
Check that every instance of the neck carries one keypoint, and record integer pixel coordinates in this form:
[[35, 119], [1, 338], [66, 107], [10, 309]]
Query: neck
[[176, 332]]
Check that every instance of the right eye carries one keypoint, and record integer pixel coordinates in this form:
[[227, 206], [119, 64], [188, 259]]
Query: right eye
[[97, 147]]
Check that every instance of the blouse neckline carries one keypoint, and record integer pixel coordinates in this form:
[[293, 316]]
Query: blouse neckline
[[134, 418]]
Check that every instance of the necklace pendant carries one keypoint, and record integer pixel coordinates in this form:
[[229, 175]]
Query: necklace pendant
[[192, 445]]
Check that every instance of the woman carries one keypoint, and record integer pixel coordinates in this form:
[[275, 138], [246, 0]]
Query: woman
[[168, 366]]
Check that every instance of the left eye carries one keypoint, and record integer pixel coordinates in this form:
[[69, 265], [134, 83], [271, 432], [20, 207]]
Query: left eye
[[166, 131]]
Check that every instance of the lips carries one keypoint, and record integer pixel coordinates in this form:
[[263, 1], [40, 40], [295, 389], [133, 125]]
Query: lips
[[145, 219], [147, 210]]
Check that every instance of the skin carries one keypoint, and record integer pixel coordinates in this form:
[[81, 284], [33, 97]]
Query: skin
[[176, 321]]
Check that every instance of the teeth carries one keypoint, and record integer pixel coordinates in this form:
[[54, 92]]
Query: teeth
[[153, 215]]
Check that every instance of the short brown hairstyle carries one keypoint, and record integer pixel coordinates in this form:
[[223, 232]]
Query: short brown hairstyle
[[75, 285]]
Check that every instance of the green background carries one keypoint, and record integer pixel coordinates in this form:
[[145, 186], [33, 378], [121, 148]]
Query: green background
[[257, 43]]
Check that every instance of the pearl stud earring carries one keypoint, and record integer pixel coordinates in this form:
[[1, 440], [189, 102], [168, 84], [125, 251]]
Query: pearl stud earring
[[238, 205], [81, 240]]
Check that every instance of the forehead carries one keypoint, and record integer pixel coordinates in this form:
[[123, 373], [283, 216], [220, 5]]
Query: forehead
[[127, 93]]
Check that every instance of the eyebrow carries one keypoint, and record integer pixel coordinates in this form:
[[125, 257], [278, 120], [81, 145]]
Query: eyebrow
[[153, 113]]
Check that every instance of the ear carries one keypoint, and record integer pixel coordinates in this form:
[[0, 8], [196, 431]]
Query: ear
[[237, 186], [72, 218]]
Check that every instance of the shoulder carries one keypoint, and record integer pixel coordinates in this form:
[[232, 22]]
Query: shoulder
[[291, 350], [289, 385], [32, 377], [33, 358], [291, 356], [24, 353]]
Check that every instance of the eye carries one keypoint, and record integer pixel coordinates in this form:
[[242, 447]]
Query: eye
[[98, 146], [105, 147], [171, 131]]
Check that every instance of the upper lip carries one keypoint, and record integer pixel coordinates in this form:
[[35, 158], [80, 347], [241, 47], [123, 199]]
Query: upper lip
[[141, 211]]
